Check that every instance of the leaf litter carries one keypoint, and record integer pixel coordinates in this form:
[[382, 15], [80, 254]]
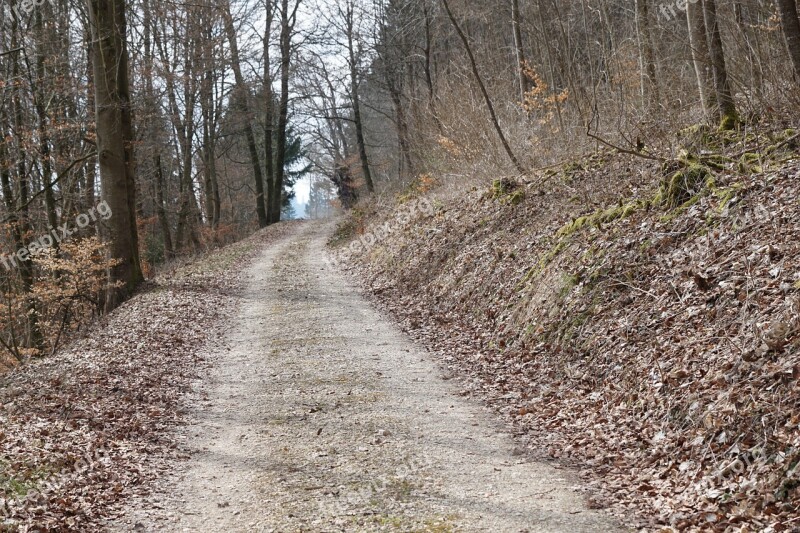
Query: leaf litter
[[85, 430], [657, 350]]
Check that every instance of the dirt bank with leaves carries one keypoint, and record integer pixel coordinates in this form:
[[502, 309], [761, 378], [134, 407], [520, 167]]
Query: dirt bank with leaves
[[638, 319]]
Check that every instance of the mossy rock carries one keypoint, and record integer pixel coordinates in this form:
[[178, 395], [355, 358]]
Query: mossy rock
[[507, 191], [729, 122], [695, 136], [681, 186], [749, 163], [515, 198]]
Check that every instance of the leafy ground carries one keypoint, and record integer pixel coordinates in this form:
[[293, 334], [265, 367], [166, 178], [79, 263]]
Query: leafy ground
[[640, 320], [82, 431]]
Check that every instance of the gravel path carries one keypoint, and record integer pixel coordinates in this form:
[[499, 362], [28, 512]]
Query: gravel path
[[323, 416]]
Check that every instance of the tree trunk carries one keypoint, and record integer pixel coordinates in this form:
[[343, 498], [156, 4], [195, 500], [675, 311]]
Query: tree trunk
[[649, 79], [287, 27], [44, 135], [242, 100], [354, 96], [161, 212], [90, 170], [429, 68], [115, 142], [727, 107], [269, 114], [701, 58], [791, 30], [524, 81], [208, 151], [482, 87]]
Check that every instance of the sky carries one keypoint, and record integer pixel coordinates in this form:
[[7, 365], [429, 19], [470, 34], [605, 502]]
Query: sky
[[302, 189]]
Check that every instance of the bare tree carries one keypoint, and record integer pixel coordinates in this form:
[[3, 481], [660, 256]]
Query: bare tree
[[484, 92], [791, 30], [727, 107], [647, 60], [701, 57], [288, 19], [243, 99], [114, 142]]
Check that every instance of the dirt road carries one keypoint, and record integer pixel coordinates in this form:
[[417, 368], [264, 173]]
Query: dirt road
[[323, 416]]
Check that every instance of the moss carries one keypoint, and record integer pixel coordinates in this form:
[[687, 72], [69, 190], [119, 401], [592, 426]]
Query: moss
[[502, 187], [749, 163], [682, 185], [797, 284], [507, 191], [573, 227], [603, 216], [726, 194], [697, 135], [575, 166], [716, 161], [516, 197], [678, 211], [729, 122], [19, 485], [568, 328], [590, 255], [568, 282], [544, 262]]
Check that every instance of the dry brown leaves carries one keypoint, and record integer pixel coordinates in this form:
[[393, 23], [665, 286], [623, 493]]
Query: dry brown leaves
[[82, 431], [659, 354]]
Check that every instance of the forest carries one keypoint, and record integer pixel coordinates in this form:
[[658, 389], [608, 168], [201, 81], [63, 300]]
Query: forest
[[138, 136], [208, 113]]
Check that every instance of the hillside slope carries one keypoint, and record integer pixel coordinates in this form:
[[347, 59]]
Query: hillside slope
[[640, 319]]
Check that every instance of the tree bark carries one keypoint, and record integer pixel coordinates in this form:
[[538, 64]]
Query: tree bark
[[701, 58], [427, 50], [242, 99], [791, 31], [519, 49], [161, 212], [153, 107], [358, 122], [209, 149], [115, 142], [269, 114], [649, 79], [727, 106]]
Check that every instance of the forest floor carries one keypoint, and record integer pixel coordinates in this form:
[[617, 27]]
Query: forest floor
[[257, 390]]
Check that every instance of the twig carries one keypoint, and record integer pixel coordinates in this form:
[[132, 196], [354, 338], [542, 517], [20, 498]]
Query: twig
[[10, 51], [779, 145], [62, 174], [621, 149]]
